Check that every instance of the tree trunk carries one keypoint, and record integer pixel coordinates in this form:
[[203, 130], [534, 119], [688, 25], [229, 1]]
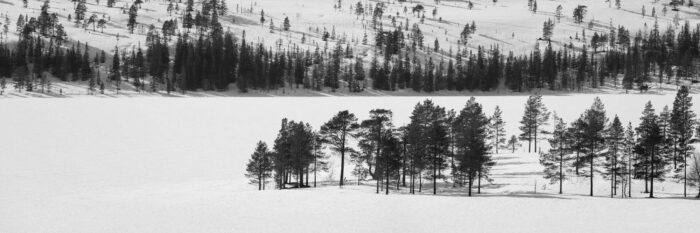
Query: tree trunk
[[561, 166], [342, 159], [387, 181], [629, 172], [420, 181], [685, 174], [470, 184], [651, 193], [403, 168], [535, 139], [434, 173], [591, 161], [478, 183], [315, 169]]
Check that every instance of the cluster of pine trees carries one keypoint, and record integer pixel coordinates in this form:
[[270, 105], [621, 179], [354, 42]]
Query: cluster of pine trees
[[447, 145], [657, 149], [436, 145]]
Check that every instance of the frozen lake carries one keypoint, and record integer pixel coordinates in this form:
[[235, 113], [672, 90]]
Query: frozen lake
[[170, 164]]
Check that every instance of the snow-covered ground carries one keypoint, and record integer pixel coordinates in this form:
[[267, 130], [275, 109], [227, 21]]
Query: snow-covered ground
[[177, 165]]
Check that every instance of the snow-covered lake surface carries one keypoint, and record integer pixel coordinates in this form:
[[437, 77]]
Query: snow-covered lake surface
[[177, 165]]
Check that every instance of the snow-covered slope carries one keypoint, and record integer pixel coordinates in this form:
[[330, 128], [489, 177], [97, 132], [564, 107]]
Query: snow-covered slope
[[507, 23]]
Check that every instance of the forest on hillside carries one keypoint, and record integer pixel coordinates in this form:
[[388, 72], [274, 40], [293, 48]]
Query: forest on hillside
[[196, 53]]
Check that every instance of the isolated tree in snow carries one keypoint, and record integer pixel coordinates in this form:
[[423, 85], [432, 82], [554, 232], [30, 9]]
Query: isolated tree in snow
[[336, 132], [579, 13], [259, 166], [80, 10], [102, 25], [131, 23], [559, 13], [262, 17], [286, 24]]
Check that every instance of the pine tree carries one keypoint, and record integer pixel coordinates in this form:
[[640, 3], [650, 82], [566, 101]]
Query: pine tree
[[116, 75], [614, 164], [378, 124], [336, 132], [629, 143], [473, 150], [498, 128], [262, 17], [131, 23], [259, 166], [650, 138], [80, 10], [286, 24], [389, 160], [593, 124], [554, 161], [682, 124], [535, 116], [579, 13]]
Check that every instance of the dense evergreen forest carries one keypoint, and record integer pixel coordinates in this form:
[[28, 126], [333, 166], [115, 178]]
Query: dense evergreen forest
[[457, 147], [197, 53]]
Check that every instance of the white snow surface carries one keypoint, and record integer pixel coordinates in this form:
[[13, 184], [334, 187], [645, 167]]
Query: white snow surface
[[177, 164]]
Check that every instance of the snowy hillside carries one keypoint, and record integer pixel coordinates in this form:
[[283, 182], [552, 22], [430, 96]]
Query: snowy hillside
[[509, 25], [506, 23]]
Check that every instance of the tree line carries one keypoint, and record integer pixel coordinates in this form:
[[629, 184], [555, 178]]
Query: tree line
[[659, 148], [457, 146]]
